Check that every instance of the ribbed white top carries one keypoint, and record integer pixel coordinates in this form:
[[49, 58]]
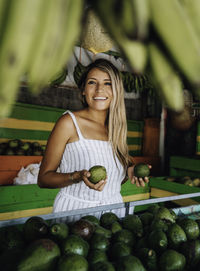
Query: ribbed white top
[[83, 154]]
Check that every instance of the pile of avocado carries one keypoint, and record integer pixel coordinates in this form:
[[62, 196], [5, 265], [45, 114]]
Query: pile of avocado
[[186, 180], [156, 240], [19, 147]]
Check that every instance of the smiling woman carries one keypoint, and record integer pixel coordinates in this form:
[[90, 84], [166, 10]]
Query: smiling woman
[[95, 135]]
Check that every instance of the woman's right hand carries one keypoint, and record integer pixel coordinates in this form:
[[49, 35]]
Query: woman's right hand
[[98, 186]]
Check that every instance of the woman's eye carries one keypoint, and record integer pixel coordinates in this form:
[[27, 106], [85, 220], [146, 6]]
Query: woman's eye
[[91, 82], [108, 83]]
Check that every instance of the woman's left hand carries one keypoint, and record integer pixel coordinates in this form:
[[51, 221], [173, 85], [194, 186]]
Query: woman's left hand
[[136, 180]]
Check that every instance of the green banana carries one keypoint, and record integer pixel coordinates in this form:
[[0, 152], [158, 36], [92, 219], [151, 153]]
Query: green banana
[[192, 7], [133, 50], [125, 16], [142, 18], [74, 15], [21, 24], [47, 43], [176, 31], [168, 83]]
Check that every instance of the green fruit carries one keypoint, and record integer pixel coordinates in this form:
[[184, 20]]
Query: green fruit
[[92, 219], [115, 227], [134, 224], [101, 230], [97, 255], [141, 170], [83, 228], [148, 257], [41, 254], [159, 224], [59, 231], [103, 266], [165, 214], [191, 250], [146, 218], [130, 263], [176, 236], [157, 240], [72, 262], [119, 249], [125, 236], [107, 219], [34, 228], [74, 244], [171, 260], [98, 173], [99, 241], [190, 227]]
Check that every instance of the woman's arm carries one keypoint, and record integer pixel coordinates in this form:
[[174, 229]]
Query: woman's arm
[[61, 134]]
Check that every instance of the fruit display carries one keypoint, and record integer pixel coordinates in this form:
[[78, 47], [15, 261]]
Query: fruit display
[[155, 240], [141, 170], [186, 180], [98, 173], [19, 147], [161, 37]]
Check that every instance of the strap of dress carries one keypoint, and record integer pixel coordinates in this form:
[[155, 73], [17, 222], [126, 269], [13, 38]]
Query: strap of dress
[[75, 123]]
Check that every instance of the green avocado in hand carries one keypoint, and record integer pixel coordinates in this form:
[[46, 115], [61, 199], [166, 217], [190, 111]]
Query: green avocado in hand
[[98, 173], [141, 170]]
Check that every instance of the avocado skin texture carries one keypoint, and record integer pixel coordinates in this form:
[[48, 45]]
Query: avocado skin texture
[[98, 173], [141, 170], [41, 254]]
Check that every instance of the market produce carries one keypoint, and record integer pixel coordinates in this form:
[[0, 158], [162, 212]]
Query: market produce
[[73, 262], [18, 29], [171, 260], [50, 41], [42, 254], [83, 228], [34, 228], [156, 249], [19, 147], [94, 36], [169, 84], [141, 170], [98, 173], [114, 13], [59, 231]]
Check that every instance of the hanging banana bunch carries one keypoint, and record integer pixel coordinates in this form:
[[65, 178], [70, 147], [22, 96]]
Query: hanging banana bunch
[[179, 37], [119, 19], [37, 39], [169, 84], [18, 29], [51, 42]]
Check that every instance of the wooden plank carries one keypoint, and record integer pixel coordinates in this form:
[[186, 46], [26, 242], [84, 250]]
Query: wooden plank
[[172, 186], [159, 193], [35, 112], [25, 213], [185, 163], [26, 124], [35, 135], [136, 197]]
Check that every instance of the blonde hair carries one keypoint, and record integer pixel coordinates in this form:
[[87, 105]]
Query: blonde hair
[[116, 120]]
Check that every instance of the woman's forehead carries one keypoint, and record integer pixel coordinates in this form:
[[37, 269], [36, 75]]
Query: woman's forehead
[[98, 73]]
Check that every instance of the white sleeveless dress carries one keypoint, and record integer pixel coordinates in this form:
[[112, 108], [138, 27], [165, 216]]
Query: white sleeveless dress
[[83, 154]]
